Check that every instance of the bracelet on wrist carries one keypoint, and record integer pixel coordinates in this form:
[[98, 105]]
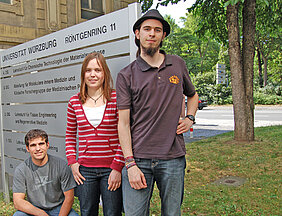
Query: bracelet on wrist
[[129, 158], [130, 165], [129, 162]]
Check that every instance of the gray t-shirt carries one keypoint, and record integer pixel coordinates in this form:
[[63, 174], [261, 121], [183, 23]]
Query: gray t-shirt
[[44, 185]]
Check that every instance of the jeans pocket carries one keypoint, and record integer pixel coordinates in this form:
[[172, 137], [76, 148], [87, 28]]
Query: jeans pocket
[[142, 163], [138, 160]]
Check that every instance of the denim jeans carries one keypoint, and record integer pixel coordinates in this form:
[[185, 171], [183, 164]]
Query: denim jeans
[[169, 176], [54, 212], [89, 192]]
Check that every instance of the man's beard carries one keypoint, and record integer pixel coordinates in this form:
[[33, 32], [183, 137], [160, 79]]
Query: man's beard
[[150, 51]]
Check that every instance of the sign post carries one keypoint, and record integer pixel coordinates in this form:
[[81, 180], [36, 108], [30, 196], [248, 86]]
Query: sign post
[[220, 74], [5, 178], [39, 76]]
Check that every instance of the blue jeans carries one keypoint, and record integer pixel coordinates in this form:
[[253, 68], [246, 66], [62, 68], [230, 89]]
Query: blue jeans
[[54, 212], [89, 192], [169, 176]]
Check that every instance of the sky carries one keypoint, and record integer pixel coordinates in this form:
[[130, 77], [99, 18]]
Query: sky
[[176, 11]]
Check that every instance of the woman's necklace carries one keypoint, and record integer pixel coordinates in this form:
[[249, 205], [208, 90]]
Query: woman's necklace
[[95, 100]]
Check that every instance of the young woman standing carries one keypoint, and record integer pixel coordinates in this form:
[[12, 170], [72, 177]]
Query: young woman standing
[[93, 114]]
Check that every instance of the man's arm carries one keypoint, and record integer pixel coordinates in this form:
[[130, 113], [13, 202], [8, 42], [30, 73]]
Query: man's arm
[[136, 177], [22, 205], [192, 106], [124, 132], [67, 204], [182, 115]]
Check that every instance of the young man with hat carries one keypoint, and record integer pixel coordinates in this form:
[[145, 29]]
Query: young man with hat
[[149, 98]]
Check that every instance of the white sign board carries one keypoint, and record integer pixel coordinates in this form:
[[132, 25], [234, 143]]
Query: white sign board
[[116, 48], [220, 81], [52, 85], [220, 66], [49, 117], [113, 26], [16, 147], [39, 76], [220, 74]]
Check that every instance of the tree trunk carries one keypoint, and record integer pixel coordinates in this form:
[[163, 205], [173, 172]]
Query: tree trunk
[[237, 77], [248, 53], [264, 58], [260, 68], [202, 61]]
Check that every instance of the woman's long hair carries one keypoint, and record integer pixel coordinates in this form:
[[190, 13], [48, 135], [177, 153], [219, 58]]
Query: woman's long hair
[[108, 81]]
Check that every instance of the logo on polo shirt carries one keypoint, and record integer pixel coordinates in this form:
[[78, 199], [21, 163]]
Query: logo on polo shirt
[[174, 79]]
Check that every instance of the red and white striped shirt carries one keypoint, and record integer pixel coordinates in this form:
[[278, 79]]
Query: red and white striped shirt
[[98, 146]]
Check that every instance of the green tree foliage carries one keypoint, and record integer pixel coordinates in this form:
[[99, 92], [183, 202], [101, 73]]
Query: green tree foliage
[[202, 28], [200, 54], [203, 42], [215, 94], [212, 19], [268, 39], [241, 54]]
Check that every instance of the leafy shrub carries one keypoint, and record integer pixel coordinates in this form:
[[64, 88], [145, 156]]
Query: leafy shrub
[[215, 94], [222, 94], [206, 89], [266, 99]]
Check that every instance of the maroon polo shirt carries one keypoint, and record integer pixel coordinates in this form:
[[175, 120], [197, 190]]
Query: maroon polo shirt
[[154, 97]]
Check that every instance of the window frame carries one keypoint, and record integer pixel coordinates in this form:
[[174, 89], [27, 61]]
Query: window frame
[[80, 9], [15, 7], [11, 2]]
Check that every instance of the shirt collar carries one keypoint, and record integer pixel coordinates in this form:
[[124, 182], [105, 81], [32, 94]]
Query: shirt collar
[[146, 67]]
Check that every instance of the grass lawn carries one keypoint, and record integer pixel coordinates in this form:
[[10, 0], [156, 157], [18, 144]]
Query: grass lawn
[[259, 162]]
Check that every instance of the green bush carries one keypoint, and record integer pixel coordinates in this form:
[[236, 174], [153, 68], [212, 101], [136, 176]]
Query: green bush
[[267, 99], [215, 94], [270, 94], [270, 89], [222, 94]]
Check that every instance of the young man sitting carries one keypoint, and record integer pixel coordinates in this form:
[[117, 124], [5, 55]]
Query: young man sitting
[[46, 180]]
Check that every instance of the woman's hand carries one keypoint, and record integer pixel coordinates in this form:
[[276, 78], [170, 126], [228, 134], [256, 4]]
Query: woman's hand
[[114, 180], [76, 174]]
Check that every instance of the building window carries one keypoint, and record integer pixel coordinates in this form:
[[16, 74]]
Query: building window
[[6, 1], [91, 8]]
